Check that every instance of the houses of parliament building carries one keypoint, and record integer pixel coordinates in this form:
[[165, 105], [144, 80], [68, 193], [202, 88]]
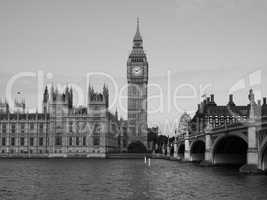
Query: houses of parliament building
[[63, 130]]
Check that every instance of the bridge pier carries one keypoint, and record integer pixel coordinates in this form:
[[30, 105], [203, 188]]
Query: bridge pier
[[208, 160], [187, 156], [175, 152], [252, 165]]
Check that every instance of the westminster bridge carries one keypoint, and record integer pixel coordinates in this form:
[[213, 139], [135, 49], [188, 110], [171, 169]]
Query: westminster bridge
[[240, 143], [243, 142]]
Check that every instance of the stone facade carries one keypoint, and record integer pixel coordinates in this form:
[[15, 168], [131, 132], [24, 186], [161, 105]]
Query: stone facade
[[209, 115], [63, 130]]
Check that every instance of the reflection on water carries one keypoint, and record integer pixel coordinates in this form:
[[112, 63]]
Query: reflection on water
[[124, 179]]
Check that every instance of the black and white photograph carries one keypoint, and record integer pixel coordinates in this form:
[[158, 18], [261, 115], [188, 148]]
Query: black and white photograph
[[133, 100]]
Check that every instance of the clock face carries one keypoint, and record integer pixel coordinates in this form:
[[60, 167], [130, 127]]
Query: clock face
[[137, 71]]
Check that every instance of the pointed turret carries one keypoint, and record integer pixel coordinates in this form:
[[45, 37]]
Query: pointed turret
[[116, 115], [52, 93], [252, 103], [231, 100], [46, 95], [90, 92], [19, 106], [106, 95], [66, 95], [71, 98], [97, 101], [137, 53], [4, 107], [45, 100], [137, 37]]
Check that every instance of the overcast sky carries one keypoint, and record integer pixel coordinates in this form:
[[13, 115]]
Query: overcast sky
[[202, 43]]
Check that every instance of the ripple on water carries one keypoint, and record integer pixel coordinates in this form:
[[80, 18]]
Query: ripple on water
[[124, 179]]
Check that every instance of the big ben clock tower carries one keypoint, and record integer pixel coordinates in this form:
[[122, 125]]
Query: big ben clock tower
[[137, 76]]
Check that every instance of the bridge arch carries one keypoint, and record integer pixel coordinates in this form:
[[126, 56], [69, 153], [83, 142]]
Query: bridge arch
[[181, 150], [263, 154], [230, 149], [197, 150]]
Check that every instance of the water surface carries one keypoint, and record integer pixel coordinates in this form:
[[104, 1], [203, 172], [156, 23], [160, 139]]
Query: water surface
[[79, 179]]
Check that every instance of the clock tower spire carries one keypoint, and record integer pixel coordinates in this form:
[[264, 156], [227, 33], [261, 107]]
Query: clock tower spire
[[137, 76], [138, 41]]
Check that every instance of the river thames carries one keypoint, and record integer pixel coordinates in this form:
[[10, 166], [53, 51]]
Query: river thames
[[79, 179]]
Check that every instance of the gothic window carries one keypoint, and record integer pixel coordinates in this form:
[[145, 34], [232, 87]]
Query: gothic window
[[77, 141], [13, 128], [22, 142], [84, 140], [31, 126], [70, 127], [31, 141], [70, 141], [13, 141], [4, 128], [22, 127], [96, 135], [41, 127], [119, 140], [41, 141], [3, 141], [58, 140], [96, 140], [124, 143], [77, 127]]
